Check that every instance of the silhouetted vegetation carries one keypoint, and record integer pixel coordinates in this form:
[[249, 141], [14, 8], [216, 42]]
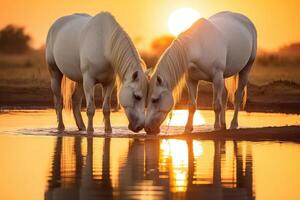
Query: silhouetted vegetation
[[286, 56], [158, 46], [13, 40]]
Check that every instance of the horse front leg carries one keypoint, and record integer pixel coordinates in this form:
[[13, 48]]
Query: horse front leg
[[107, 92], [223, 110], [192, 104], [88, 86], [218, 87]]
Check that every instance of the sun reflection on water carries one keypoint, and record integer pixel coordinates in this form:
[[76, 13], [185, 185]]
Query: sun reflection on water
[[179, 118], [118, 168], [174, 153]]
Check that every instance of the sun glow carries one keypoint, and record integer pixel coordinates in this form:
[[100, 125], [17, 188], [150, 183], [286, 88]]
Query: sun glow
[[179, 118], [181, 19]]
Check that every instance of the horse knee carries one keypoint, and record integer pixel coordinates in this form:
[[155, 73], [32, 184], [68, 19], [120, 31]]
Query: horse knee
[[90, 111], [106, 112], [192, 107], [217, 107]]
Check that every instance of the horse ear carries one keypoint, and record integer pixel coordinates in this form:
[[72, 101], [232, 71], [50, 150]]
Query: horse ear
[[159, 80], [135, 75]]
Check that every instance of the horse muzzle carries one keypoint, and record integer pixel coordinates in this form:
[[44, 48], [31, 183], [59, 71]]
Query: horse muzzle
[[152, 130], [135, 128]]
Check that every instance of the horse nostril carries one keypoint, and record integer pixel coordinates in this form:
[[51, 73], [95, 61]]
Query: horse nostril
[[140, 127], [152, 131], [135, 128], [147, 129]]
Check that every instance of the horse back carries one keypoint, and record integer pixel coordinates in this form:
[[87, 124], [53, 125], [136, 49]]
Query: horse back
[[240, 38], [62, 45]]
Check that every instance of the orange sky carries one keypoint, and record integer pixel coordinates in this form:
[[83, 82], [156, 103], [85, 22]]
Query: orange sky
[[277, 21]]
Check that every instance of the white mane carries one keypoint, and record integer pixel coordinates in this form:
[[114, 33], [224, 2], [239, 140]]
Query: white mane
[[124, 56], [172, 67]]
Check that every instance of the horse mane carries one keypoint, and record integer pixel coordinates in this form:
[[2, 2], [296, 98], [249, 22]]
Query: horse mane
[[172, 67], [123, 55]]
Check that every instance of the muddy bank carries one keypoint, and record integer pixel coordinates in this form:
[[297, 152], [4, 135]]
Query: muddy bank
[[279, 96]]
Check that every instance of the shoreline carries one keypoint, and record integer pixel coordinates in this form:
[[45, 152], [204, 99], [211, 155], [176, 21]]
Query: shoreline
[[280, 134]]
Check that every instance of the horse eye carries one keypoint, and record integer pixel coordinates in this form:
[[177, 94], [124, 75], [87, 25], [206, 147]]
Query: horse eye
[[155, 100], [137, 97]]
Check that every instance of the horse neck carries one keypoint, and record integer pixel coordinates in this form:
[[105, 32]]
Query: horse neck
[[123, 55], [173, 67]]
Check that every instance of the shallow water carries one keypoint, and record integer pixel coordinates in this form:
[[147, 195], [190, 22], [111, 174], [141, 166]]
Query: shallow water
[[43, 166]]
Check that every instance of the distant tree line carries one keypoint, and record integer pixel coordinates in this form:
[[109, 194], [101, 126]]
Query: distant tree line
[[286, 55], [158, 46], [13, 40]]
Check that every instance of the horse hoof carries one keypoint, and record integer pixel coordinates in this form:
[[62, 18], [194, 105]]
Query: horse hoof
[[188, 130], [233, 126], [217, 127], [61, 127], [108, 131], [223, 127], [90, 130], [82, 128]]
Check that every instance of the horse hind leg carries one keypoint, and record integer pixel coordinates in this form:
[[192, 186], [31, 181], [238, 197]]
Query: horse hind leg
[[239, 94], [56, 78], [218, 87], [76, 106]]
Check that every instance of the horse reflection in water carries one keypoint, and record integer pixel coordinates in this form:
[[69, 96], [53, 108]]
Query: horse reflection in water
[[150, 170]]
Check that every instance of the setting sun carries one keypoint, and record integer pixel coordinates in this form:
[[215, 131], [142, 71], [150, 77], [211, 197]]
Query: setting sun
[[181, 19]]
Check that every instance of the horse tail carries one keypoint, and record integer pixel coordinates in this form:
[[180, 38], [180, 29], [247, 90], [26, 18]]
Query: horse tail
[[231, 85], [67, 89]]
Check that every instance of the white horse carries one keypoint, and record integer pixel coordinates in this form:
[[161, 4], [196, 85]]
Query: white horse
[[91, 50], [211, 49]]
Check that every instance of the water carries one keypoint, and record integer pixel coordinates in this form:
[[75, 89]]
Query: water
[[44, 166]]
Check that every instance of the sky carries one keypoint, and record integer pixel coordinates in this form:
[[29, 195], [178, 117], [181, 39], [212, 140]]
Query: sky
[[277, 21]]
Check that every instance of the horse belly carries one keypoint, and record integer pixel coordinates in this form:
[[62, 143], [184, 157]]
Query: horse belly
[[238, 55], [69, 65]]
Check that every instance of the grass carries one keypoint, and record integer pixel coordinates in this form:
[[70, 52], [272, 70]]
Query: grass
[[265, 74], [30, 69], [26, 70]]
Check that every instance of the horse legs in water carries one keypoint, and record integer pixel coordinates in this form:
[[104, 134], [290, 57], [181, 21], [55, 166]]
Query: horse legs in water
[[218, 87], [242, 82], [76, 106], [107, 92], [56, 77], [223, 110], [88, 86], [192, 104]]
